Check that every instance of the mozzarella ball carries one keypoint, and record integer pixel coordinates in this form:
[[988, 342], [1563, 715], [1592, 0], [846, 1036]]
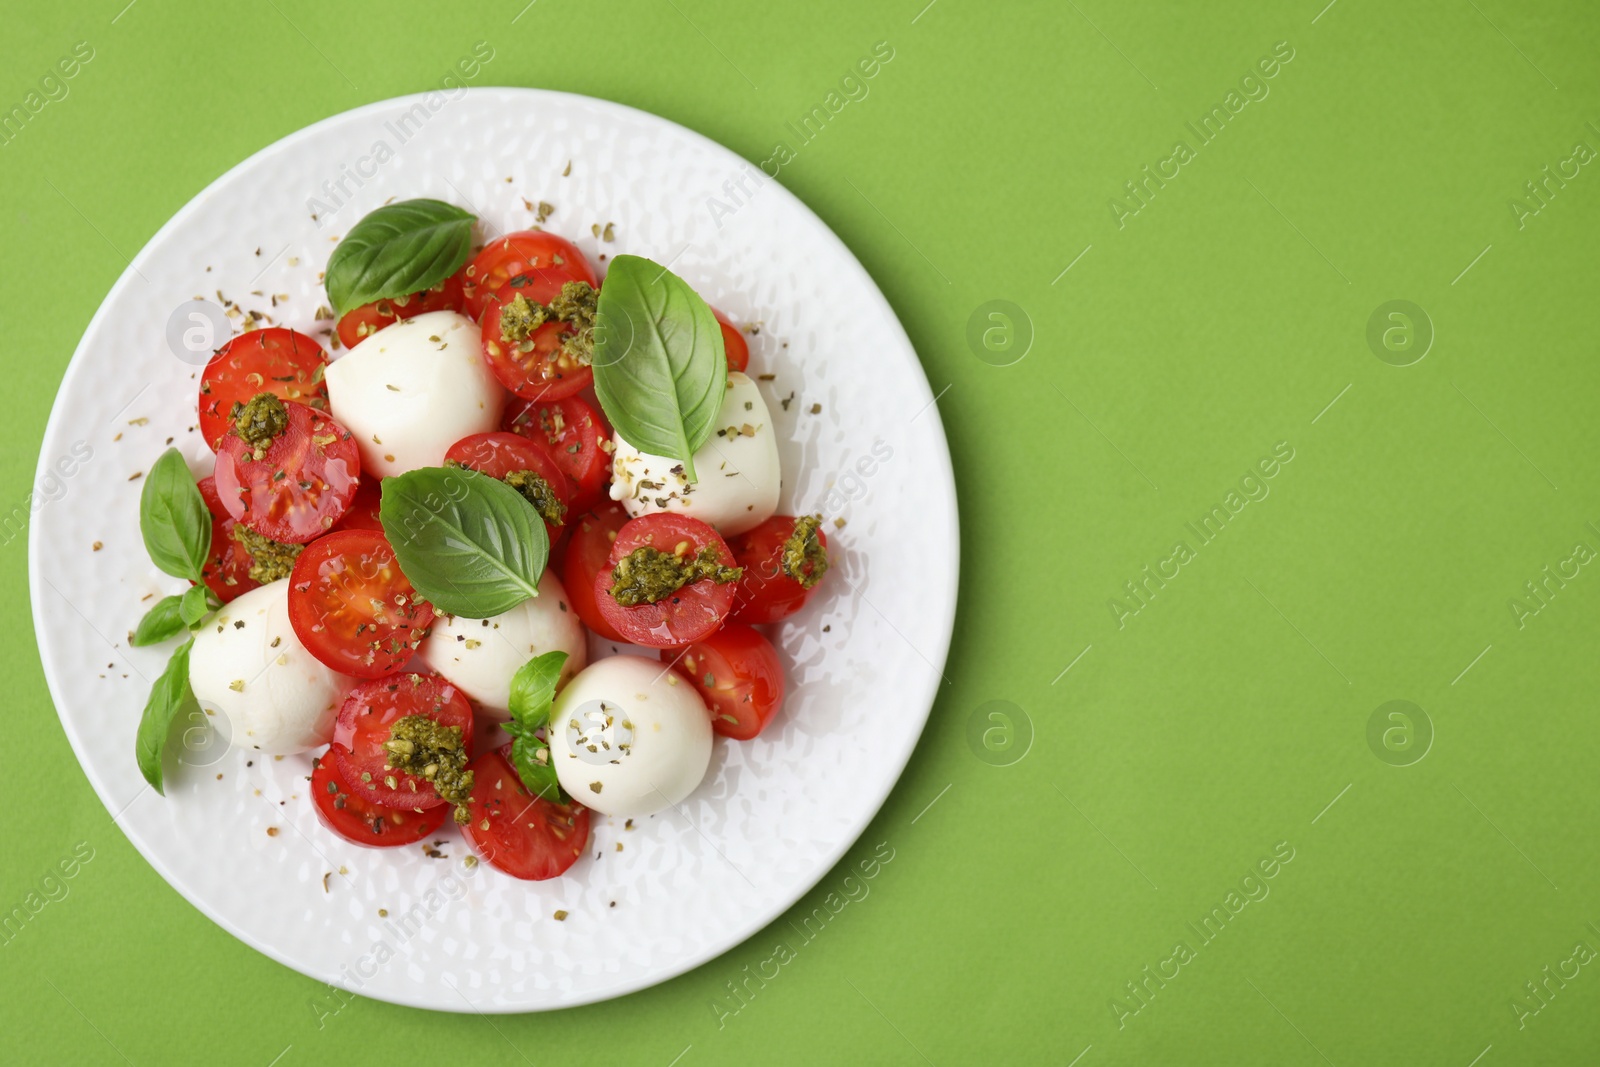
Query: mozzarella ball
[[737, 469], [412, 390], [629, 737], [480, 655], [248, 665]]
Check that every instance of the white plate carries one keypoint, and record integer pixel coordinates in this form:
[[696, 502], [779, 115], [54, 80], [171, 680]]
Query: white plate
[[772, 817]]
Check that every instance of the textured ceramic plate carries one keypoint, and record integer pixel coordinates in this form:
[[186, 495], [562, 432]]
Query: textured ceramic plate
[[862, 441]]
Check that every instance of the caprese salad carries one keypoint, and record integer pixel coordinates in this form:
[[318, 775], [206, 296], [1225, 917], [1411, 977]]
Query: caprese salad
[[400, 555]]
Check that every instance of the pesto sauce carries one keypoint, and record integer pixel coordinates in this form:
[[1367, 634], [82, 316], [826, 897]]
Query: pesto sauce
[[574, 305], [260, 421], [519, 318], [804, 558], [421, 746], [269, 559], [647, 575], [539, 494]]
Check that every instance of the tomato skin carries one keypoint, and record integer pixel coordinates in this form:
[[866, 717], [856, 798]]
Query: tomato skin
[[738, 674], [587, 554], [765, 594], [578, 437], [516, 832], [499, 453], [527, 252], [300, 487], [351, 606], [543, 372], [363, 513], [277, 360], [357, 324], [687, 615], [361, 822], [227, 566], [733, 343], [369, 712]]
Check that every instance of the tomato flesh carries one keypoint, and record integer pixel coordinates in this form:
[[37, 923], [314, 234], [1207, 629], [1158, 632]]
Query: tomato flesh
[[738, 673], [227, 567], [362, 822], [351, 606], [300, 487], [682, 617], [358, 324], [578, 438], [278, 360], [499, 454], [587, 553], [544, 261], [364, 722], [516, 832], [733, 343], [535, 369], [363, 513], [765, 593]]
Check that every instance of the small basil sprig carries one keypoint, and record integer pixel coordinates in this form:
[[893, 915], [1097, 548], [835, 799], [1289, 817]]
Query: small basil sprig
[[176, 526], [470, 544], [168, 697], [397, 250], [533, 691], [660, 369]]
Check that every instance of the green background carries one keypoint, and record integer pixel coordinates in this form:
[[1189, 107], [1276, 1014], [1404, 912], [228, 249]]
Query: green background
[[1187, 740]]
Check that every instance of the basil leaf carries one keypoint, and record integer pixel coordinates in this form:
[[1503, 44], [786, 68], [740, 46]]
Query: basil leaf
[[398, 250], [533, 690], [160, 622], [173, 518], [660, 369], [195, 604], [470, 544], [169, 696], [537, 773]]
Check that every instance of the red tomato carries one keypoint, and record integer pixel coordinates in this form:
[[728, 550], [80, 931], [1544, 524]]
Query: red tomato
[[685, 616], [361, 822], [733, 342], [578, 438], [516, 832], [739, 674], [358, 324], [587, 553], [535, 369], [300, 487], [227, 569], [363, 513], [369, 712], [352, 608], [765, 593], [278, 360], [500, 454], [548, 262]]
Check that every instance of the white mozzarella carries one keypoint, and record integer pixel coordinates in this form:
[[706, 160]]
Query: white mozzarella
[[629, 737], [737, 469], [412, 390], [480, 655], [248, 665]]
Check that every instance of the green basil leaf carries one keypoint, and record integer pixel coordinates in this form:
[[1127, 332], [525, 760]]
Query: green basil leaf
[[196, 603], [160, 622], [533, 690], [539, 775], [173, 518], [398, 250], [169, 696], [660, 369], [470, 544]]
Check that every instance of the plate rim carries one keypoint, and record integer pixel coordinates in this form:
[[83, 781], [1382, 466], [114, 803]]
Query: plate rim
[[779, 903]]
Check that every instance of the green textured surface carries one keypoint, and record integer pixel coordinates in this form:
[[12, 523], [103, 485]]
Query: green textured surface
[[1228, 715]]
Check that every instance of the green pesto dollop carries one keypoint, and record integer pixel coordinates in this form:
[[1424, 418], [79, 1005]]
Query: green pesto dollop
[[804, 558], [575, 305], [269, 559], [647, 575], [429, 750], [260, 421], [519, 317], [539, 494]]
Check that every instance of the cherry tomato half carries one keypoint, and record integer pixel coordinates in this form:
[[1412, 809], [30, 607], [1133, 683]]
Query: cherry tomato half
[[548, 262], [278, 360], [363, 513], [364, 722], [733, 343], [765, 593], [587, 552], [738, 673], [578, 438], [352, 607], [362, 822], [300, 487], [684, 616], [516, 832], [535, 369], [358, 324], [501, 454], [227, 568]]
